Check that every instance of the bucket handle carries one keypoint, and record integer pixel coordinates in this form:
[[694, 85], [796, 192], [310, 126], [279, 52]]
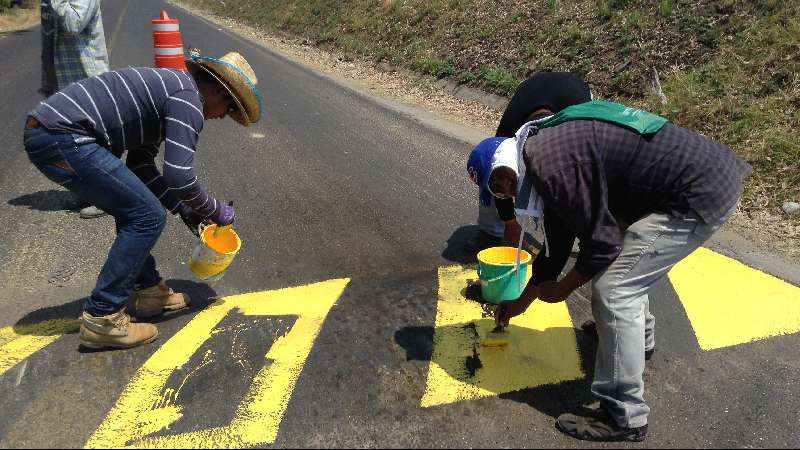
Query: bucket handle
[[492, 280]]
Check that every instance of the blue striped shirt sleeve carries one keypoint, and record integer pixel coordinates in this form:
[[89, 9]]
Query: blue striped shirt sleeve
[[183, 122]]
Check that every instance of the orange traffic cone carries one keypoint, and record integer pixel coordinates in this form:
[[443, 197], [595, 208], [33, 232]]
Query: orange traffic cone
[[168, 43]]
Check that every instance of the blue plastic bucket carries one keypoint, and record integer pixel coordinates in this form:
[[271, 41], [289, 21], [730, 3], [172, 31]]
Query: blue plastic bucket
[[497, 269]]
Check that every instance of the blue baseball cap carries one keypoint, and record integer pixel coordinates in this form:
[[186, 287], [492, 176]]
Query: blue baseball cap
[[479, 166]]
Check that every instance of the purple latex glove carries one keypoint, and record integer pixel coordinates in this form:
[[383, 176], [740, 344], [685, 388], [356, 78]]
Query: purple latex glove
[[225, 215]]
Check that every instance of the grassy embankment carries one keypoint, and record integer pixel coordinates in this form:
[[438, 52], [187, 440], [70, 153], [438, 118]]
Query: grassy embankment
[[728, 68]]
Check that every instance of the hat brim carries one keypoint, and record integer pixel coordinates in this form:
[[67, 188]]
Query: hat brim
[[244, 115]]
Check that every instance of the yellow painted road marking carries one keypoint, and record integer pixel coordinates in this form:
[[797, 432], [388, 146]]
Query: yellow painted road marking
[[142, 410], [729, 303], [20, 342], [543, 349]]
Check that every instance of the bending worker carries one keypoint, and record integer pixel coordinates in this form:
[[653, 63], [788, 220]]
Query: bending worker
[[673, 186], [541, 95], [76, 138]]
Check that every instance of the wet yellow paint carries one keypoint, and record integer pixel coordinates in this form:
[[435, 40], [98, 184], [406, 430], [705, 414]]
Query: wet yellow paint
[[542, 348], [142, 410], [729, 303], [22, 341]]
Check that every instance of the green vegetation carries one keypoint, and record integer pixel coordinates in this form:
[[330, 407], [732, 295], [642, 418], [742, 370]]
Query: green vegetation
[[439, 68], [499, 79], [729, 68]]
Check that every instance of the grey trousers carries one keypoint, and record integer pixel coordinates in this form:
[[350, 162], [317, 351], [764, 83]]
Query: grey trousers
[[620, 306], [489, 220]]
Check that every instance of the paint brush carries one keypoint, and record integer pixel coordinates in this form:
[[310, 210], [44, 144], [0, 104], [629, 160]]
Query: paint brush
[[498, 337]]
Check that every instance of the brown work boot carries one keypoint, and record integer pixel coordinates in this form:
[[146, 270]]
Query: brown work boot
[[157, 299], [115, 331]]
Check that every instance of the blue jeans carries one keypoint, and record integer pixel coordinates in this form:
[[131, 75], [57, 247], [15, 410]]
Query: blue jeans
[[98, 177]]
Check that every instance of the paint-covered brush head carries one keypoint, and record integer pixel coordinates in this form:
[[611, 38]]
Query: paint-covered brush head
[[498, 337]]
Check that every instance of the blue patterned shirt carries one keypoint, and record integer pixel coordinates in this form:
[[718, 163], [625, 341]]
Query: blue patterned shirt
[[73, 43]]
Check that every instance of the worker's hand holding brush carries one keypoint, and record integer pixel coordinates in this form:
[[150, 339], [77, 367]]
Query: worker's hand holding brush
[[508, 310]]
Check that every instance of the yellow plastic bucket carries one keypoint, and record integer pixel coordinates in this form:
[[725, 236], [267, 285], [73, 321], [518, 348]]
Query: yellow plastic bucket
[[497, 270], [214, 253]]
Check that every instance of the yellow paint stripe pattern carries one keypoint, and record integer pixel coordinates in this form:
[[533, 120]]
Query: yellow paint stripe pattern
[[543, 348], [141, 411], [729, 303], [22, 341]]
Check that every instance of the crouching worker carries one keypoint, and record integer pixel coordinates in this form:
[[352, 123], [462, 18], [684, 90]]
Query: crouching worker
[[595, 170], [76, 139], [492, 159], [541, 95]]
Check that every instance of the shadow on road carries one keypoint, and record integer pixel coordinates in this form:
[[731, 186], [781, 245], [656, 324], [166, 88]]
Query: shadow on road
[[51, 200], [455, 245], [416, 341]]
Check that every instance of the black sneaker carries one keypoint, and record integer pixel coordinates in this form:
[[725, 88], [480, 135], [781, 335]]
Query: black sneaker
[[598, 426], [482, 241], [590, 327]]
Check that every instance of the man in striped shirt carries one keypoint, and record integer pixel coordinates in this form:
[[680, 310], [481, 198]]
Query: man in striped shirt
[[76, 139]]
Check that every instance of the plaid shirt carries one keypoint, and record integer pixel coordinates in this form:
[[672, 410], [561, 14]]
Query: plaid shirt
[[73, 43], [595, 176]]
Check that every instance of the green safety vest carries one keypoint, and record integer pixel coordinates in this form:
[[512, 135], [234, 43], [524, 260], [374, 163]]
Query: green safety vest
[[642, 122]]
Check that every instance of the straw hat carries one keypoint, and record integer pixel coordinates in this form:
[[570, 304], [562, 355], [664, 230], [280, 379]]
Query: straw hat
[[238, 78]]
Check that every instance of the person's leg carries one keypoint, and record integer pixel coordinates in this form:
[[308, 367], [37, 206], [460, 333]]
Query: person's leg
[[85, 168], [151, 296], [620, 306], [620, 362], [103, 180], [649, 329], [149, 275], [590, 327]]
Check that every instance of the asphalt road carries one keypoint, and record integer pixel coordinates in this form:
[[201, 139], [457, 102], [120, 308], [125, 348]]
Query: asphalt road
[[331, 184]]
